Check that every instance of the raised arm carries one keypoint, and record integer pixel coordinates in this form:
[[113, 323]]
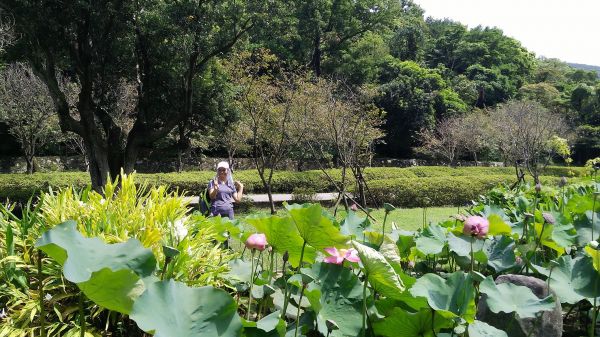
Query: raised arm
[[214, 188], [237, 196]]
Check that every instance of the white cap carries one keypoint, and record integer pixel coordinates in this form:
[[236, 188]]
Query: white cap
[[223, 164]]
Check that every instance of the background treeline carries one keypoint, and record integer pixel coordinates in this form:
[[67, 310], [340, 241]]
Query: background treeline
[[161, 78]]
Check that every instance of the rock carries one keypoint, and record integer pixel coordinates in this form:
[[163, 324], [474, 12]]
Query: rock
[[548, 324]]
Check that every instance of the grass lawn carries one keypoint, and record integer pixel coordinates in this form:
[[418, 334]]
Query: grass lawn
[[405, 218]]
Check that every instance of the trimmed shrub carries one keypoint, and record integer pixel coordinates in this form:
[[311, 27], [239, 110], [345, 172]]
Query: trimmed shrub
[[439, 191], [20, 187]]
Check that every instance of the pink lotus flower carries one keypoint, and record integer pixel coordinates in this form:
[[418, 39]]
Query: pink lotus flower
[[354, 207], [257, 241], [338, 256], [476, 226]]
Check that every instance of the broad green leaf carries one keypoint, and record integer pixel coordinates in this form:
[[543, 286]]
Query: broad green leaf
[[498, 226], [461, 245], [114, 290], [98, 268], [432, 240], [452, 297], [224, 227], [315, 228], [403, 323], [269, 326], [406, 240], [354, 226], [583, 225], [507, 297], [482, 329], [574, 279], [239, 270], [500, 253], [390, 251], [564, 235], [169, 308], [282, 234], [380, 273]]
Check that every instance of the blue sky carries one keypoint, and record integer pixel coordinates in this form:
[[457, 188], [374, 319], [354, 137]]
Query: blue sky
[[567, 30]]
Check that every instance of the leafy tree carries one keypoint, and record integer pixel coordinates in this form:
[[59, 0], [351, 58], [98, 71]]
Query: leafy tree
[[26, 107], [445, 36], [269, 101], [162, 47], [543, 92], [413, 98]]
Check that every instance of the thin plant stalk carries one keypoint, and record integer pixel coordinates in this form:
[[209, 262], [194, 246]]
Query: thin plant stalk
[[298, 311], [81, 316], [472, 259], [364, 311], [285, 294], [41, 294], [383, 227], [251, 284], [593, 212], [289, 293]]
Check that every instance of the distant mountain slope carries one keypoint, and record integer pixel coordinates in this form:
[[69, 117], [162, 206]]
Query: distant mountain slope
[[586, 67]]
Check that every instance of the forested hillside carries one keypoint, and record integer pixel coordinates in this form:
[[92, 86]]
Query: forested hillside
[[171, 62]]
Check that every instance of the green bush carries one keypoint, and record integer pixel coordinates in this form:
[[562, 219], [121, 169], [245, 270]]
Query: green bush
[[20, 187], [439, 191]]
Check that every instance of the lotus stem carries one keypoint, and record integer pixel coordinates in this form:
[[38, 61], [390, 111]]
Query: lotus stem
[[298, 311], [164, 271], [285, 294], [81, 316], [364, 311], [251, 284], [383, 228], [41, 294], [593, 212], [472, 259]]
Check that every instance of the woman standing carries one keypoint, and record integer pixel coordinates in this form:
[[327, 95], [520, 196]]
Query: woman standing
[[223, 191]]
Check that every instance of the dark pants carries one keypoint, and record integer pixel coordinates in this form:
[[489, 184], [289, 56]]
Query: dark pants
[[228, 212]]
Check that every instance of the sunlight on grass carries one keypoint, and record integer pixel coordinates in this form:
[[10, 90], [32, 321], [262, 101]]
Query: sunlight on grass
[[405, 218]]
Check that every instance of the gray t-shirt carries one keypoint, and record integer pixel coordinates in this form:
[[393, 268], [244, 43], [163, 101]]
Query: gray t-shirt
[[224, 198]]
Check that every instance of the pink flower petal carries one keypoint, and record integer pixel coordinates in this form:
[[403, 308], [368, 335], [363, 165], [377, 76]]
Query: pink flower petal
[[332, 251], [352, 255], [333, 259]]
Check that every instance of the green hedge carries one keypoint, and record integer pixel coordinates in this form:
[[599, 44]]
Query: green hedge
[[440, 191], [470, 180]]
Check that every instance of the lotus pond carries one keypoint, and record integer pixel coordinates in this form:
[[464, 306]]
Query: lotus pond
[[135, 262]]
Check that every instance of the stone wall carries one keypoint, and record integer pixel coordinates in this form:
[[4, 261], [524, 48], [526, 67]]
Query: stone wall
[[145, 165]]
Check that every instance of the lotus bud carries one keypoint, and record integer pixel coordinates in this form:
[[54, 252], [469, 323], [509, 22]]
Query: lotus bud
[[476, 226], [286, 256], [411, 264], [518, 260], [354, 207], [256, 241], [549, 218], [538, 187], [562, 182]]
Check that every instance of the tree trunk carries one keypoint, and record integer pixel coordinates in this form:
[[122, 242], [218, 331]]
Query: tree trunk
[[271, 202], [29, 161]]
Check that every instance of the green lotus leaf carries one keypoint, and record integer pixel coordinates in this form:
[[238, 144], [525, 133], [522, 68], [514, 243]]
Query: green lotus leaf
[[500, 253], [482, 329], [575, 279], [336, 294], [380, 273], [317, 229], [498, 225], [239, 270], [508, 297], [282, 235], [114, 290], [461, 245], [403, 323], [432, 240], [269, 326], [452, 297], [108, 274], [169, 308], [354, 226], [390, 251], [583, 225], [224, 227], [406, 240]]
